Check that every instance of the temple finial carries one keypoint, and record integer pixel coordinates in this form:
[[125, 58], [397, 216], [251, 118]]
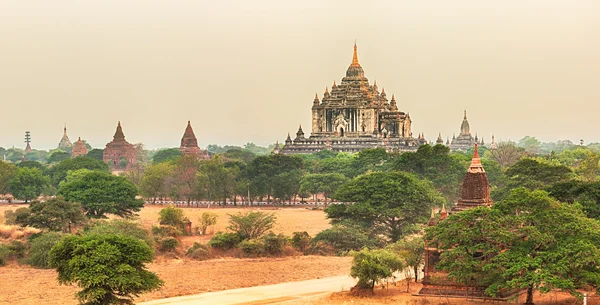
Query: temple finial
[[465, 117], [355, 56]]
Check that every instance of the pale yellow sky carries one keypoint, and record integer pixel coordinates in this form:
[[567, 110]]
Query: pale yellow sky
[[247, 71]]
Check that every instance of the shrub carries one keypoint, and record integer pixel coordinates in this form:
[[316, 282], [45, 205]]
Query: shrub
[[274, 244], [301, 240], [321, 248], [164, 231], [15, 249], [17, 216], [40, 247], [252, 248], [5, 254], [171, 216], [225, 241], [251, 225], [345, 238], [120, 226], [371, 266], [199, 251], [168, 244], [206, 220]]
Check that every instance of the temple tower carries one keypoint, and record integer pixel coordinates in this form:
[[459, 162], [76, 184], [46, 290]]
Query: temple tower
[[28, 141], [119, 154], [189, 142], [465, 140], [65, 143], [79, 149]]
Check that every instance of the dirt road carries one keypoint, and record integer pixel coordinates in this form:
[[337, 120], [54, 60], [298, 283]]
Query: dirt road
[[269, 294]]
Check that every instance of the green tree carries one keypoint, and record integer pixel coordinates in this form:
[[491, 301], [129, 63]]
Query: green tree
[[206, 220], [55, 214], [58, 172], [389, 203], [215, 181], [531, 145], [119, 226], [58, 156], [410, 250], [587, 194], [101, 193], [96, 153], [155, 180], [251, 225], [110, 269], [166, 155], [32, 164], [6, 172], [263, 171], [372, 266], [505, 153], [28, 183], [529, 241], [371, 159], [326, 184], [171, 216], [243, 155]]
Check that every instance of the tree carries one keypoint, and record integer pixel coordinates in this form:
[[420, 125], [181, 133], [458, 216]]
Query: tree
[[184, 178], [119, 226], [109, 268], [38, 255], [166, 155], [587, 194], [436, 164], [55, 214], [371, 266], [263, 171], [389, 203], [171, 216], [505, 153], [536, 174], [101, 193], [243, 155], [529, 241], [410, 250], [6, 172], [531, 145], [206, 220], [251, 225], [96, 153], [28, 183], [215, 181], [58, 156], [58, 172], [155, 180], [326, 184], [32, 164], [371, 159]]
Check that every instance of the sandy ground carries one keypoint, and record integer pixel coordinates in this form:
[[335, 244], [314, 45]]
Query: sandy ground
[[24, 285]]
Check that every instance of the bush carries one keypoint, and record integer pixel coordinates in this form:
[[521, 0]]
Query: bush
[[199, 251], [225, 241], [251, 225], [252, 248], [14, 250], [274, 244], [371, 266], [301, 240], [171, 216], [164, 231], [168, 244], [206, 220], [321, 248], [16, 217], [120, 226], [5, 254], [40, 247], [346, 238]]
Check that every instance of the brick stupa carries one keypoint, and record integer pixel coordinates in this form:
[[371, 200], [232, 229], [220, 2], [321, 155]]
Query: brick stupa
[[79, 149], [189, 143], [119, 154]]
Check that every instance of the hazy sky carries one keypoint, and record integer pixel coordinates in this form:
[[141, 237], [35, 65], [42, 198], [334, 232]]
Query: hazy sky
[[247, 71]]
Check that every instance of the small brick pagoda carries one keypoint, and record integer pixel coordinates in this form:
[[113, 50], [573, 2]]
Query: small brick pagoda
[[189, 144], [79, 149], [119, 154], [475, 192]]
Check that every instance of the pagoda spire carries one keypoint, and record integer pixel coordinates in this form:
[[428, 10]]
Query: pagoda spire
[[119, 133], [476, 166], [355, 56]]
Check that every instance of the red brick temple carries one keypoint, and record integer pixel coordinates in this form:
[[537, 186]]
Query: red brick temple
[[475, 192], [189, 144], [119, 154], [79, 149]]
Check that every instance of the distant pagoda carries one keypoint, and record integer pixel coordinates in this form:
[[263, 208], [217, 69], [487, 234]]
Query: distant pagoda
[[465, 140], [65, 143], [354, 116], [189, 144], [28, 141], [79, 149], [119, 154]]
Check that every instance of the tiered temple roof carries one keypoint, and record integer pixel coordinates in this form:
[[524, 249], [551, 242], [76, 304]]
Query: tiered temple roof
[[65, 143], [354, 115], [79, 149], [119, 151]]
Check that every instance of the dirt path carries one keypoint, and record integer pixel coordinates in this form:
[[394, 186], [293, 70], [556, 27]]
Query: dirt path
[[268, 294]]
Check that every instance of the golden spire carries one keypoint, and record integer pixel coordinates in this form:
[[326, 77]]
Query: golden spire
[[465, 117], [326, 90], [355, 56], [334, 84], [476, 166], [316, 96]]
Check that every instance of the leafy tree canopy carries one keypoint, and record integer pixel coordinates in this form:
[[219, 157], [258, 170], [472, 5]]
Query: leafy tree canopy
[[101, 193], [388, 203], [28, 183], [165, 155], [58, 156], [6, 172], [251, 225], [55, 214], [58, 172], [96, 153], [529, 241], [109, 269]]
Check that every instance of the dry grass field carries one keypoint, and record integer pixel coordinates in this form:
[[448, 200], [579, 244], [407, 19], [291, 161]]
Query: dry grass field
[[398, 296], [25, 285]]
